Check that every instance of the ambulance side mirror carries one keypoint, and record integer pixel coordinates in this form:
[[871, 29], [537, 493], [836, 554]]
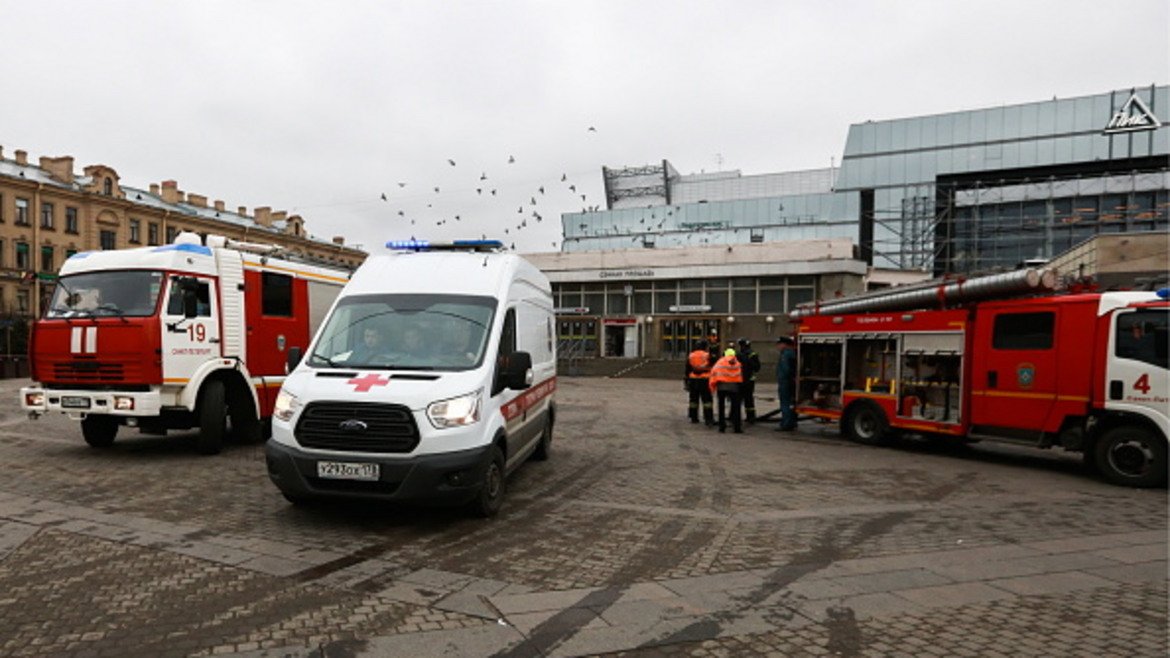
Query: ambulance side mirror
[[517, 373], [294, 359]]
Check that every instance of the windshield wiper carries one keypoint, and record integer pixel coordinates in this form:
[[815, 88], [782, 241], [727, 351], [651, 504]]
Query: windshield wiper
[[324, 358], [112, 308]]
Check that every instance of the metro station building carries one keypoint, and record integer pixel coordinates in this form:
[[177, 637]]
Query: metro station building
[[671, 255]]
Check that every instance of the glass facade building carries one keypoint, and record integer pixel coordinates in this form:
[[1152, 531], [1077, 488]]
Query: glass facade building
[[965, 192]]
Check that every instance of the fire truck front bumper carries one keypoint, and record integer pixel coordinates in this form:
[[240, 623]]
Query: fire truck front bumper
[[78, 404]]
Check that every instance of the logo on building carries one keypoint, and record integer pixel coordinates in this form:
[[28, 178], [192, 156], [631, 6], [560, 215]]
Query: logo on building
[[1134, 115]]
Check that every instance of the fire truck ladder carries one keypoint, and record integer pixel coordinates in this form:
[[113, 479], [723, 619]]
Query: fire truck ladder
[[936, 294]]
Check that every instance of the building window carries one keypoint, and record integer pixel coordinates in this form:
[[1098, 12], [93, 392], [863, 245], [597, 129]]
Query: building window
[[135, 229], [1, 208], [152, 233], [69, 253], [70, 220], [2, 258], [21, 212], [46, 215], [47, 258], [108, 187], [22, 299], [109, 240], [22, 256], [171, 233]]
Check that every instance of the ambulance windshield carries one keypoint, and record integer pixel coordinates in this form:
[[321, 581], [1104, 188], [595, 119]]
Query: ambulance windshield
[[126, 293], [406, 332]]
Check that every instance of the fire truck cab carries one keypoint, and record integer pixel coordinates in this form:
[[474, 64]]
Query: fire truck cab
[[174, 337], [1087, 372]]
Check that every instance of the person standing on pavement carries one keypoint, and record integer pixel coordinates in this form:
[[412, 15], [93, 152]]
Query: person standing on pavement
[[713, 347], [786, 383], [751, 366], [697, 376], [726, 377]]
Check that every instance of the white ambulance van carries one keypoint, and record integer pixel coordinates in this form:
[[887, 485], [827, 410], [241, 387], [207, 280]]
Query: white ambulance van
[[432, 379]]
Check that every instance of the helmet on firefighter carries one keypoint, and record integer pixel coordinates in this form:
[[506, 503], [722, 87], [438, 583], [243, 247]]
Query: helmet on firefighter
[[744, 343]]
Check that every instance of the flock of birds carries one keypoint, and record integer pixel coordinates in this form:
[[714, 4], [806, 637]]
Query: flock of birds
[[431, 204]]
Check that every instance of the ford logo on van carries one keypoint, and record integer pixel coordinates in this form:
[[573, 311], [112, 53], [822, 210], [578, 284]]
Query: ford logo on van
[[353, 425]]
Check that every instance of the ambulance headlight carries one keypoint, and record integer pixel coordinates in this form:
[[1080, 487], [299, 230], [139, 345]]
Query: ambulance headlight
[[455, 412], [286, 405]]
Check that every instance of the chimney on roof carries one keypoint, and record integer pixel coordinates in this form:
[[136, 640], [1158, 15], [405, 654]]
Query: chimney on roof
[[242, 211], [197, 200], [171, 192], [60, 169], [1, 152], [219, 206], [21, 157], [339, 240], [154, 189], [279, 216], [264, 216]]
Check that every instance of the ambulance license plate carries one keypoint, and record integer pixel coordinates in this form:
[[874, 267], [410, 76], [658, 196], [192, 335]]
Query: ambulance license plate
[[347, 471], [74, 402]]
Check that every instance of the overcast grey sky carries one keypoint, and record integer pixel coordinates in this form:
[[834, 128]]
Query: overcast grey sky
[[319, 108]]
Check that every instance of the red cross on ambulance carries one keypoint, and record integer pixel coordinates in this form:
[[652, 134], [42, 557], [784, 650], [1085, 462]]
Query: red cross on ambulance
[[365, 383]]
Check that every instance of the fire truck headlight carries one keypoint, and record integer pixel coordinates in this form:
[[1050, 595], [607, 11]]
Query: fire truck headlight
[[34, 399], [286, 405], [123, 403], [455, 412]]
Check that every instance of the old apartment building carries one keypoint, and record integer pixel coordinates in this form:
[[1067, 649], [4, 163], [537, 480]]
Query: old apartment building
[[48, 212]]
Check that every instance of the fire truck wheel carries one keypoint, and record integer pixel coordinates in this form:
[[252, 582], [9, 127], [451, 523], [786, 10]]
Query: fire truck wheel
[[212, 418], [99, 431], [866, 423], [1132, 456], [490, 498]]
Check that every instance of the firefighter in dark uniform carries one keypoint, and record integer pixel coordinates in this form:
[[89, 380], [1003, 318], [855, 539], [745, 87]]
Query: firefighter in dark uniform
[[751, 367], [713, 348], [697, 373]]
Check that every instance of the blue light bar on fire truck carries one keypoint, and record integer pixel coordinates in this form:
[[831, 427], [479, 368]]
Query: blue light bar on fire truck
[[456, 245]]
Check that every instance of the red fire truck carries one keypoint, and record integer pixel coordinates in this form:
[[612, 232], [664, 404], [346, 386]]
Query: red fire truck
[[999, 357], [174, 337]]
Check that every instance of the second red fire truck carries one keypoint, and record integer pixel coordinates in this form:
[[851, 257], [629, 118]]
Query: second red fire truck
[[178, 336], [997, 357]]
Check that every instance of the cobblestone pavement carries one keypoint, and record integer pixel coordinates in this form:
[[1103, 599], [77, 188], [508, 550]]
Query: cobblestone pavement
[[644, 535]]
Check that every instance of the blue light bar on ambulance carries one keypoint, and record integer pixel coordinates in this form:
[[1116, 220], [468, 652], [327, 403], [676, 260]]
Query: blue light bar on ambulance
[[457, 245], [1164, 293]]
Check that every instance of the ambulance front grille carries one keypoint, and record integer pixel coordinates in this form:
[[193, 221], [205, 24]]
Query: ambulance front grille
[[357, 427]]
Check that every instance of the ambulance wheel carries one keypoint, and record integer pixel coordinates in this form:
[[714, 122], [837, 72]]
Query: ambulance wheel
[[490, 498], [1132, 456], [212, 418], [99, 431], [866, 423], [544, 448]]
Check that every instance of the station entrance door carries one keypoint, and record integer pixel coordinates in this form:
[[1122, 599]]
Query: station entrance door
[[679, 335]]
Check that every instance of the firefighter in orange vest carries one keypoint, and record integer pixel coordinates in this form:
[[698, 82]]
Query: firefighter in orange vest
[[698, 371], [726, 377]]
